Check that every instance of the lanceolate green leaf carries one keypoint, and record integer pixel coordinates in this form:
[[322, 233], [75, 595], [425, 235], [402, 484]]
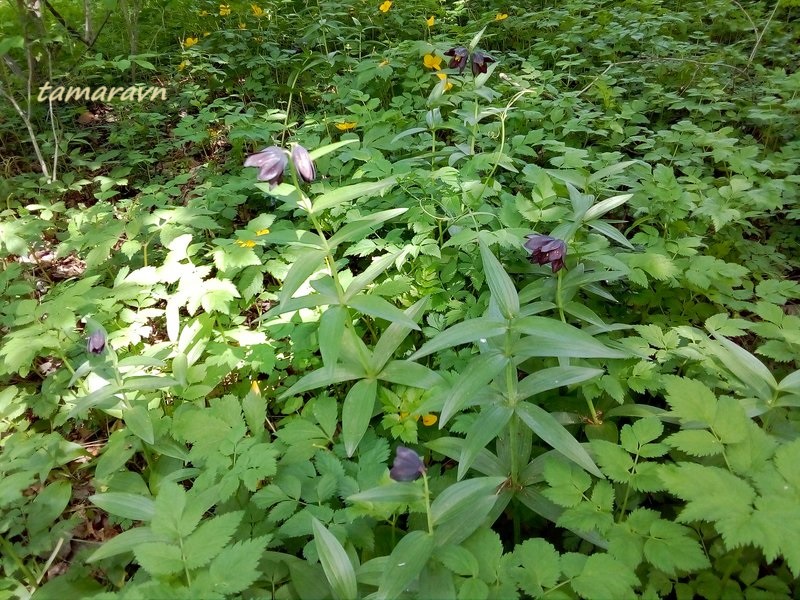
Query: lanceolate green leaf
[[405, 563], [554, 377], [548, 337], [394, 492], [405, 372], [306, 264], [459, 496], [395, 334], [335, 562], [486, 427], [324, 377], [357, 412], [355, 231], [543, 424], [350, 192], [479, 372], [462, 333], [362, 280], [331, 328], [500, 284], [745, 367], [376, 306], [125, 542]]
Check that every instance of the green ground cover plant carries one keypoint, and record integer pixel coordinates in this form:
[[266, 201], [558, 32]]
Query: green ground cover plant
[[401, 299]]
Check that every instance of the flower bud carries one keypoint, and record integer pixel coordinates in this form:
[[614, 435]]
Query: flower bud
[[407, 465], [96, 342], [271, 162], [303, 163]]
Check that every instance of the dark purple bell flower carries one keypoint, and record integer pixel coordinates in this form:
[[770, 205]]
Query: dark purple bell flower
[[303, 163], [459, 58], [96, 342], [480, 60], [271, 162], [407, 465], [546, 250]]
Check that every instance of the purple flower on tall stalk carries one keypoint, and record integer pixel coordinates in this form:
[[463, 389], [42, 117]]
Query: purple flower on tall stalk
[[407, 465], [459, 58], [271, 163], [303, 163], [96, 342], [546, 250], [480, 60]]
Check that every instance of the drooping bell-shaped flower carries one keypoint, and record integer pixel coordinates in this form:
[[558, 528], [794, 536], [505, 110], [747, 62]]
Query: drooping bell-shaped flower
[[546, 250], [96, 342], [303, 163], [271, 163], [407, 465], [480, 61], [459, 58]]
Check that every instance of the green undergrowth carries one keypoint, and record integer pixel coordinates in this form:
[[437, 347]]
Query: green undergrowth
[[205, 378]]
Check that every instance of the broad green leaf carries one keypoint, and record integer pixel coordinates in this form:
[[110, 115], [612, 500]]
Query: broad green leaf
[[395, 334], [307, 263], [331, 328], [404, 372], [479, 372], [47, 506], [104, 395], [324, 377], [603, 577], [394, 492], [552, 378], [335, 562], [543, 424], [404, 565], [462, 333], [376, 306], [540, 564], [344, 194], [125, 542], [159, 558], [137, 418], [500, 284], [611, 233], [790, 383], [549, 337], [254, 408], [359, 404], [690, 400], [486, 427], [127, 506], [210, 538]]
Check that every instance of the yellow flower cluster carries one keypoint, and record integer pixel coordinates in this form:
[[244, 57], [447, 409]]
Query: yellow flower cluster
[[224, 10], [431, 61], [384, 8], [189, 42], [345, 126], [257, 10]]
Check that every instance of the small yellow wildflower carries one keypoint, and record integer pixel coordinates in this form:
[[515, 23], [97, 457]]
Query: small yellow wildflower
[[501, 17], [206, 34], [430, 21], [189, 42], [254, 389], [262, 232], [432, 62], [443, 77], [384, 63], [429, 420], [224, 10], [242, 26], [182, 66], [202, 13], [257, 10], [246, 243], [384, 8], [345, 126]]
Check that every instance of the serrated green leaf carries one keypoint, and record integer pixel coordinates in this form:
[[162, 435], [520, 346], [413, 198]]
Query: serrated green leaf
[[210, 538], [690, 400], [158, 558], [236, 568], [695, 442]]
